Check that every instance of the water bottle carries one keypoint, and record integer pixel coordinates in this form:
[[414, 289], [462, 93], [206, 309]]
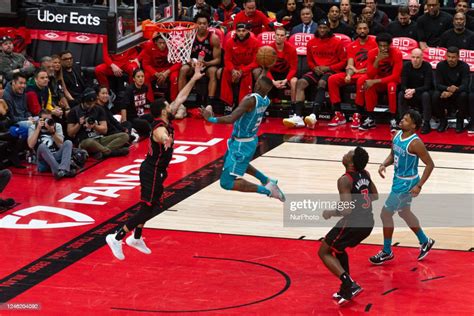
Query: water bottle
[[201, 56]]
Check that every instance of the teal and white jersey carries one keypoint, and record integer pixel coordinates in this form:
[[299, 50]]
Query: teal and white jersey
[[406, 164], [247, 125]]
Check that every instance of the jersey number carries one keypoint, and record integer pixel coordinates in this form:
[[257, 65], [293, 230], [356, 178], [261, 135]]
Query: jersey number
[[395, 161], [365, 194], [257, 124]]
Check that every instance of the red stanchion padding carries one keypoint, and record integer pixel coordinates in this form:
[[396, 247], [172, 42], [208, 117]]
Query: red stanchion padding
[[468, 57], [346, 40], [405, 45], [434, 55], [266, 38], [299, 41]]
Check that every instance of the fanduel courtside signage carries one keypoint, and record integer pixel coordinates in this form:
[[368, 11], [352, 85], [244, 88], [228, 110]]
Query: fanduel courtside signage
[[65, 18]]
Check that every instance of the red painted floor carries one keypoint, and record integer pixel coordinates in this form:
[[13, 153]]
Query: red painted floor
[[193, 272], [171, 278]]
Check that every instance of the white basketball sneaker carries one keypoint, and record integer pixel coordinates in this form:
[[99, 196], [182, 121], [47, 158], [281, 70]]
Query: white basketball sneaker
[[310, 121], [275, 191], [115, 245], [293, 121], [138, 244]]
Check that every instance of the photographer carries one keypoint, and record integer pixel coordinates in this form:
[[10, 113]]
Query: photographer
[[47, 139], [87, 126]]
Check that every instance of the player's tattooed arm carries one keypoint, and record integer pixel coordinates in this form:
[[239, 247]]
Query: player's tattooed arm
[[161, 136]]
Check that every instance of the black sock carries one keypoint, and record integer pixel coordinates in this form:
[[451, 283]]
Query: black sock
[[345, 279], [120, 234], [362, 110], [299, 108], [337, 106], [137, 233]]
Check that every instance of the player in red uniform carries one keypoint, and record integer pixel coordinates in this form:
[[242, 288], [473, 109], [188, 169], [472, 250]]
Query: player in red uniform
[[256, 19], [357, 54], [208, 44], [239, 61], [384, 70], [116, 65], [326, 55], [157, 67]]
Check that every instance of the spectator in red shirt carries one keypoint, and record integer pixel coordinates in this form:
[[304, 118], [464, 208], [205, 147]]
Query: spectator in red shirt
[[384, 70], [325, 55], [116, 65], [239, 61], [283, 72], [357, 54], [256, 19], [157, 67]]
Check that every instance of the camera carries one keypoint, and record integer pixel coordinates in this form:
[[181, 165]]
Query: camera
[[49, 121], [90, 120]]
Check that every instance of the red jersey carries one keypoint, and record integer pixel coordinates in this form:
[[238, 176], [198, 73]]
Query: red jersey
[[118, 59], [157, 60], [287, 61], [241, 55], [360, 53], [256, 22], [326, 52], [389, 69]]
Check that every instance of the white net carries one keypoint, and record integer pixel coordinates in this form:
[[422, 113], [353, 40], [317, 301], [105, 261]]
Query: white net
[[179, 38]]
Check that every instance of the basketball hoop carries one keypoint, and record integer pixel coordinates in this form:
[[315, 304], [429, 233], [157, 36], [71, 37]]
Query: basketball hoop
[[179, 37]]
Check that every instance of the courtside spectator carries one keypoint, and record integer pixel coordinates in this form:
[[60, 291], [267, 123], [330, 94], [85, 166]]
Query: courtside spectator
[[452, 85], [54, 86], [199, 7], [15, 97], [73, 79], [458, 36], [318, 13], [415, 12], [307, 26], [325, 55], [225, 13], [38, 95], [53, 153], [5, 176], [87, 127], [416, 88], [12, 146], [347, 16], [379, 16], [432, 24], [104, 101], [463, 7], [403, 26], [368, 16], [357, 55], [289, 16], [335, 23], [384, 69], [10, 62]]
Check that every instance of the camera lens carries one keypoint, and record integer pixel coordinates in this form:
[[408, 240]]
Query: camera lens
[[49, 121], [90, 120]]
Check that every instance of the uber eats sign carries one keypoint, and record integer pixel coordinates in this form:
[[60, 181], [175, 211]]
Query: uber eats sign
[[74, 19]]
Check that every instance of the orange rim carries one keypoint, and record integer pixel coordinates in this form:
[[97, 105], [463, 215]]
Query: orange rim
[[167, 27]]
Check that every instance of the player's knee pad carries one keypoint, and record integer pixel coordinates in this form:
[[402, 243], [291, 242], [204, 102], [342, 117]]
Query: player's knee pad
[[227, 181]]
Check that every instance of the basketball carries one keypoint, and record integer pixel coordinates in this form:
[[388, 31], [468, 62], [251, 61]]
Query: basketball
[[266, 56]]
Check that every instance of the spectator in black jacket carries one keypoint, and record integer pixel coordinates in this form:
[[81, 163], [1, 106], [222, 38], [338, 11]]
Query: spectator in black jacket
[[318, 13], [432, 24], [452, 84], [335, 23], [289, 15], [5, 176], [463, 7], [11, 145], [368, 16], [416, 88], [73, 79], [403, 26], [415, 12], [458, 36], [379, 16], [134, 105]]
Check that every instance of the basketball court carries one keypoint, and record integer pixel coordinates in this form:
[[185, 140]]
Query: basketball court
[[228, 253]]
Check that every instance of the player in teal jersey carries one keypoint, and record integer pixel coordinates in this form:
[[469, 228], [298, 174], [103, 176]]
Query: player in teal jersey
[[407, 149], [243, 143]]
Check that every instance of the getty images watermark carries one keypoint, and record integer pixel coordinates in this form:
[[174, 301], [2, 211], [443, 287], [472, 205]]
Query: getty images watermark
[[436, 210], [20, 306]]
